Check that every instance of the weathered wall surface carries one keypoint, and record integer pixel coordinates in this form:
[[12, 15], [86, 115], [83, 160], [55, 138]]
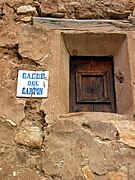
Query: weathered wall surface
[[90, 146], [85, 146], [66, 9]]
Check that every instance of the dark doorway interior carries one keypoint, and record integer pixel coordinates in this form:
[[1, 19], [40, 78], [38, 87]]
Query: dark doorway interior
[[92, 84]]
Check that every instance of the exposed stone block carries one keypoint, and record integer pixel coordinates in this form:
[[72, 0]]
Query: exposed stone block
[[26, 9], [30, 136], [57, 15], [87, 173], [84, 15], [117, 15], [103, 130]]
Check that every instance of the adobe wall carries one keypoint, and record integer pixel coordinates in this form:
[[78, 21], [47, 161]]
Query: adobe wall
[[39, 139]]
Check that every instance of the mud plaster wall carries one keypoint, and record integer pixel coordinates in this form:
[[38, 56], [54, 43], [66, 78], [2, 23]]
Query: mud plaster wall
[[124, 95], [36, 142]]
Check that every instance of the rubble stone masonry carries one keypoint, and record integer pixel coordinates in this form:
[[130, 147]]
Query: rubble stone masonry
[[39, 138]]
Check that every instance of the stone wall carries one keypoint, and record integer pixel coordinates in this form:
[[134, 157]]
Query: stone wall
[[36, 142], [17, 11]]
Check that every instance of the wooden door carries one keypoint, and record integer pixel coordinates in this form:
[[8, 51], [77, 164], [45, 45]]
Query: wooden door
[[92, 84]]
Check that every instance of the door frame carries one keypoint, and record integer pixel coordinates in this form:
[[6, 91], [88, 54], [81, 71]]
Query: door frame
[[91, 43]]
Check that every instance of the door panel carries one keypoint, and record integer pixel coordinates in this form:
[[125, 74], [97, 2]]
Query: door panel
[[92, 84]]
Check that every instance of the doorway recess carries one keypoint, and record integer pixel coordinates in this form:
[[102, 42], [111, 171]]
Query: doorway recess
[[101, 45]]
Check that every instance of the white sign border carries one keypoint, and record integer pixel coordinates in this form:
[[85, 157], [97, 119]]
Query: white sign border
[[36, 92]]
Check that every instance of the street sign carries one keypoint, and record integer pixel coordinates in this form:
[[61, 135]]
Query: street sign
[[32, 83]]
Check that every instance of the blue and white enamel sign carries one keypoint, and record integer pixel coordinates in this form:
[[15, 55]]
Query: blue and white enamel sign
[[32, 83]]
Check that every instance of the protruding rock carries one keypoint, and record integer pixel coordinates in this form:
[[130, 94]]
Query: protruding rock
[[127, 133], [61, 9], [134, 13], [132, 20], [26, 19], [119, 7], [122, 174], [36, 3], [87, 173], [74, 4], [57, 15], [47, 10], [84, 15], [30, 136], [103, 130], [117, 15], [26, 9]]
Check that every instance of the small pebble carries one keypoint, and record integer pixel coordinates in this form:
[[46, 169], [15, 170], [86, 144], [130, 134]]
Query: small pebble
[[14, 173], [44, 178]]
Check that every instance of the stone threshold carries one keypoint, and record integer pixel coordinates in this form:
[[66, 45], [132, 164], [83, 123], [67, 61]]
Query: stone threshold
[[58, 23]]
